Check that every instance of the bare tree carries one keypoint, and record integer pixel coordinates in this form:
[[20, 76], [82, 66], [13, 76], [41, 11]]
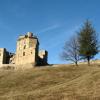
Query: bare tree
[[70, 51]]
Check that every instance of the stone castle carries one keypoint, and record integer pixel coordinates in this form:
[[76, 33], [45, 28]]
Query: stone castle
[[27, 52]]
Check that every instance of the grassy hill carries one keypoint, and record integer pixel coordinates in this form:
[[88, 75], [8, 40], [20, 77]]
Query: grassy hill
[[51, 83]]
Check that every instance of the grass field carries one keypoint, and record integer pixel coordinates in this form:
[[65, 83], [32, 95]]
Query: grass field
[[51, 83]]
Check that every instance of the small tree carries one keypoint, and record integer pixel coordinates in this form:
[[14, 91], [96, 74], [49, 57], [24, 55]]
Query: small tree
[[88, 41], [70, 51]]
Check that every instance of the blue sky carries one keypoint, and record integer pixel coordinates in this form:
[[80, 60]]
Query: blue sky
[[53, 21]]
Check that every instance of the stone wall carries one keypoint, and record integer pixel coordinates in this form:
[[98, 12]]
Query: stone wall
[[27, 49], [4, 56], [27, 53], [43, 57]]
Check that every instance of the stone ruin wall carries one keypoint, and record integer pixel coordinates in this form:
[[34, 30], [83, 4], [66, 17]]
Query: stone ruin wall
[[27, 52], [2, 56], [43, 54]]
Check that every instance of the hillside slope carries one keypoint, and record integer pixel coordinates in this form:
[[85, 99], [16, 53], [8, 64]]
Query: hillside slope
[[51, 83]]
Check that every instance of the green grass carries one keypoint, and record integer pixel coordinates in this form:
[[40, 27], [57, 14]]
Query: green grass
[[51, 83]]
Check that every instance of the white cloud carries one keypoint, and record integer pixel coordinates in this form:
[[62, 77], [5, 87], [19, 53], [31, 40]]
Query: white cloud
[[49, 28], [60, 38]]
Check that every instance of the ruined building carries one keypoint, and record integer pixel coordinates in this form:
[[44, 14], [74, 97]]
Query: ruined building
[[27, 52]]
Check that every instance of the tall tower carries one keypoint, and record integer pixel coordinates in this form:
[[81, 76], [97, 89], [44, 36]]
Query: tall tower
[[27, 49]]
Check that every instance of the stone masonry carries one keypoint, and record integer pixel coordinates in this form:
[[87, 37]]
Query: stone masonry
[[27, 52]]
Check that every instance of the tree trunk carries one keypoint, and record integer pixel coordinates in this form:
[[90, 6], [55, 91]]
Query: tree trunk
[[76, 63], [88, 59]]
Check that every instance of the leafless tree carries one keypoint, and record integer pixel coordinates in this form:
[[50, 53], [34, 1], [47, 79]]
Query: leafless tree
[[70, 51]]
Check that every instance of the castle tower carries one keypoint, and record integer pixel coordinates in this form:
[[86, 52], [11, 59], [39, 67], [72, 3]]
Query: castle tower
[[27, 49]]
